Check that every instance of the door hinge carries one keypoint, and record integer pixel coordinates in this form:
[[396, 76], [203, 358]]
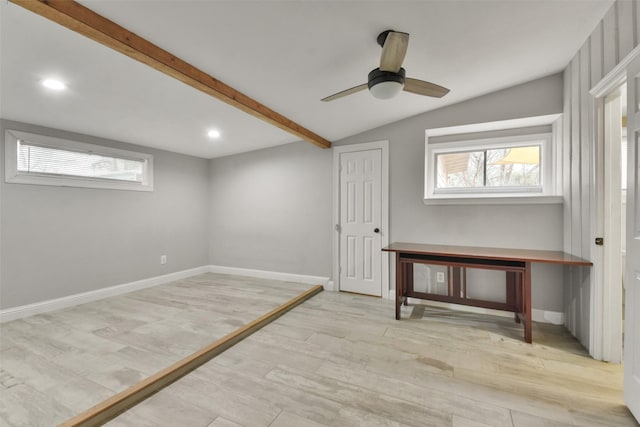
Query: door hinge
[[599, 241], [338, 228]]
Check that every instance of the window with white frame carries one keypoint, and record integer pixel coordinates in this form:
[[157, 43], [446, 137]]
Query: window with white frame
[[501, 167], [40, 159]]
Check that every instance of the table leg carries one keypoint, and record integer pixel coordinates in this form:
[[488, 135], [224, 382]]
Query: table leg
[[528, 336], [399, 285], [456, 282], [511, 291], [408, 281], [519, 295]]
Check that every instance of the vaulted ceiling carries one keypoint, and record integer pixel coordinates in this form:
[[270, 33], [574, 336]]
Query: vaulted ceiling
[[285, 54]]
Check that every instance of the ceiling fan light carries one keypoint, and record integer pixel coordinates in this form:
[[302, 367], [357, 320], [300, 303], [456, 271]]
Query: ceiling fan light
[[386, 84], [386, 90]]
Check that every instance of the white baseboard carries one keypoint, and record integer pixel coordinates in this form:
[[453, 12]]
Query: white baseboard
[[274, 275], [330, 286], [81, 298], [541, 316]]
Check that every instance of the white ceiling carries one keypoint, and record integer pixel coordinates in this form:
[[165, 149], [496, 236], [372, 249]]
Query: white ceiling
[[285, 54]]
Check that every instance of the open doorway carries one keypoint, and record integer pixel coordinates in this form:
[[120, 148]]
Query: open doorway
[[614, 182]]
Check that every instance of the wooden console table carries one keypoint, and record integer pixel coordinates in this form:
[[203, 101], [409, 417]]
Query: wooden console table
[[515, 262]]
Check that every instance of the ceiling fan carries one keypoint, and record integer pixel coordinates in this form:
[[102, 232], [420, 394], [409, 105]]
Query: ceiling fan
[[389, 79]]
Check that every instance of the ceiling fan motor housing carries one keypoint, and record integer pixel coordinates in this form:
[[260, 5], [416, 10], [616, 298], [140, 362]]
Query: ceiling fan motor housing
[[392, 83], [382, 37], [376, 76]]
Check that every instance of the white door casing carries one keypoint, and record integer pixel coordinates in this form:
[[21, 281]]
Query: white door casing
[[361, 218], [632, 276], [611, 217], [604, 322]]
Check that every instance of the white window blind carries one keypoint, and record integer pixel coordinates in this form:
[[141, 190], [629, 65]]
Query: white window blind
[[33, 158], [44, 160]]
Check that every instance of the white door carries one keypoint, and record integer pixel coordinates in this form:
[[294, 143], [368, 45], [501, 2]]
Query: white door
[[361, 222], [632, 276]]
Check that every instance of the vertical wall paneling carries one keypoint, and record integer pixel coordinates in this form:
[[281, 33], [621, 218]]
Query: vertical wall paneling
[[626, 42], [586, 175], [576, 218], [610, 41], [566, 187], [595, 55], [557, 128], [576, 214], [566, 151], [586, 185], [636, 23]]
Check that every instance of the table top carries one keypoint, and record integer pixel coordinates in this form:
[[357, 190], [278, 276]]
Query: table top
[[526, 255]]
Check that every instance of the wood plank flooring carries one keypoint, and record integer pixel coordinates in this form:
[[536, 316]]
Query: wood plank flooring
[[56, 365], [337, 360]]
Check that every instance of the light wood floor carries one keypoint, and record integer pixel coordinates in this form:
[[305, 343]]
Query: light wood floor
[[336, 360], [56, 365]]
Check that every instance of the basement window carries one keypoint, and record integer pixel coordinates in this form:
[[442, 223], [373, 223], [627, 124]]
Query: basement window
[[515, 168], [44, 160], [508, 167]]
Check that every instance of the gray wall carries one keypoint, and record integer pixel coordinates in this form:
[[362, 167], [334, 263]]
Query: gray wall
[[268, 210], [59, 241], [526, 226], [271, 209]]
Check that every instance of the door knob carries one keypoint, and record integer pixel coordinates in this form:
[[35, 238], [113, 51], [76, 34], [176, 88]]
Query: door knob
[[376, 230]]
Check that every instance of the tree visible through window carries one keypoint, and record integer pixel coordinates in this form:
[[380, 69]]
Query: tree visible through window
[[496, 167]]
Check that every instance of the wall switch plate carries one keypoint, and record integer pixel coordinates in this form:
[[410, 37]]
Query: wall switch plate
[[440, 277], [163, 259]]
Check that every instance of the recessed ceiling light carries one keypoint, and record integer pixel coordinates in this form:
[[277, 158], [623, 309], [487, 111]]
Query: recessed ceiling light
[[213, 133], [53, 84]]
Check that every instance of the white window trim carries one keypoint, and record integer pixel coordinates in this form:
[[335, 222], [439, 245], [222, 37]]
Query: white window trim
[[513, 195], [14, 176]]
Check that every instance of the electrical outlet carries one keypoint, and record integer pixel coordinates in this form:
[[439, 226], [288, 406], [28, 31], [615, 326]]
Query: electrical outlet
[[440, 277], [163, 259]]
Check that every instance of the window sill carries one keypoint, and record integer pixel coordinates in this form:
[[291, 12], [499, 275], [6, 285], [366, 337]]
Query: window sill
[[79, 182], [495, 200]]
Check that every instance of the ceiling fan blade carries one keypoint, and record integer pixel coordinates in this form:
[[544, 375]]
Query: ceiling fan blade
[[345, 93], [393, 51], [421, 87]]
